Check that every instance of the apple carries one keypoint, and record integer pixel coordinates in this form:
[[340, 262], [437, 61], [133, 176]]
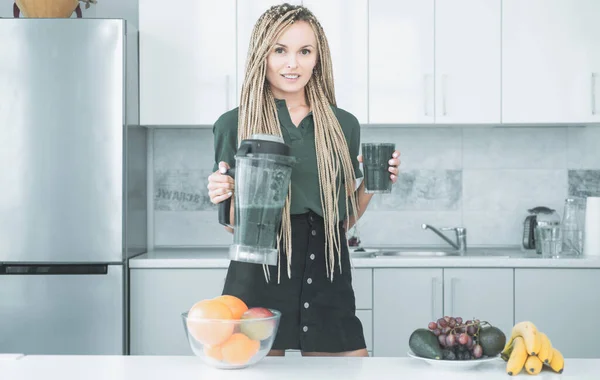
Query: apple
[[257, 330]]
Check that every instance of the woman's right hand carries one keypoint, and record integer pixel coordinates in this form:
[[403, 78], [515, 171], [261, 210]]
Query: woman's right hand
[[220, 186]]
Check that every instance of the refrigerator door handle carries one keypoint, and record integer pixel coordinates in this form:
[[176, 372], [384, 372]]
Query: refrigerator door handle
[[53, 269]]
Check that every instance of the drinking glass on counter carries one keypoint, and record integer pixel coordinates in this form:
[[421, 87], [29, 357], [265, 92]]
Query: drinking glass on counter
[[550, 240]]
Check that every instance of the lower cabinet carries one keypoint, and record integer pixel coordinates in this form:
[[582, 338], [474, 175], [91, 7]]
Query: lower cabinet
[[403, 300], [157, 299], [564, 304]]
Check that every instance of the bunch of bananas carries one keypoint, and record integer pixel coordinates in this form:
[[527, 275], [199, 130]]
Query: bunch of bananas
[[530, 349]]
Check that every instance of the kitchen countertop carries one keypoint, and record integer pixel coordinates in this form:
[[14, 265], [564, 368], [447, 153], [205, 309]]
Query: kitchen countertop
[[66, 367], [508, 257]]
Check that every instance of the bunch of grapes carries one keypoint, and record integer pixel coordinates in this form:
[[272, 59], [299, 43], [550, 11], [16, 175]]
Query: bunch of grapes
[[460, 341]]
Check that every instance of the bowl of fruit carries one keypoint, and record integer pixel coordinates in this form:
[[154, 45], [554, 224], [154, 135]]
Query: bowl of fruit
[[226, 334], [452, 343]]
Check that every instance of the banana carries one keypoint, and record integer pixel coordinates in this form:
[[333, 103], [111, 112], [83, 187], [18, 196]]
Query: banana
[[517, 357], [533, 365], [530, 335], [505, 354], [545, 353], [558, 361]]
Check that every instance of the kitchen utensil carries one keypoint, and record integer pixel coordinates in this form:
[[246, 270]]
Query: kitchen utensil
[[591, 246], [540, 215], [572, 227], [243, 348], [262, 172], [454, 365], [376, 157]]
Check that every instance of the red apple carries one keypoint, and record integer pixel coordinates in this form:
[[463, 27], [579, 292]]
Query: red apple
[[257, 330]]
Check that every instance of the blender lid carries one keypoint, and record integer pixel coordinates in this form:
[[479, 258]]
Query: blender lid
[[263, 144], [266, 137]]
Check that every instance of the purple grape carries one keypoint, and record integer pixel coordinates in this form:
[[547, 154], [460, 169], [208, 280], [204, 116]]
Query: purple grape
[[437, 332], [459, 320], [471, 330], [452, 322], [447, 318], [477, 351], [432, 325], [463, 339], [442, 323], [471, 342], [450, 340], [442, 340], [446, 330]]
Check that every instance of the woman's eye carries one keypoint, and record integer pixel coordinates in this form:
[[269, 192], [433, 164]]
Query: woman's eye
[[305, 51], [278, 50]]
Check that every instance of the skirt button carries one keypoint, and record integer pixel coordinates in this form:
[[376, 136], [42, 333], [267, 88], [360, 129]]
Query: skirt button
[[313, 232]]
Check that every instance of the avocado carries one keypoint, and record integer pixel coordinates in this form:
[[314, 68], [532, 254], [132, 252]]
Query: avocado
[[424, 344], [492, 340]]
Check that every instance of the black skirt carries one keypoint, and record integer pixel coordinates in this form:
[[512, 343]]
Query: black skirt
[[317, 315]]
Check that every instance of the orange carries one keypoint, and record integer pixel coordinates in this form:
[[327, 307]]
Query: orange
[[210, 332], [213, 352], [236, 305], [239, 349]]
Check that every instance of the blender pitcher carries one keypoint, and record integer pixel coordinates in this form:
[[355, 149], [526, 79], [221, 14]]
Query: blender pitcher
[[262, 173]]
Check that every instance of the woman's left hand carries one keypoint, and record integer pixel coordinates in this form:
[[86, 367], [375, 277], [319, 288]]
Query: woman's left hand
[[394, 164]]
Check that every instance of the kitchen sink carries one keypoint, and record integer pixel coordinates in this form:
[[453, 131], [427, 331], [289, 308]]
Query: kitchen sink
[[415, 253]]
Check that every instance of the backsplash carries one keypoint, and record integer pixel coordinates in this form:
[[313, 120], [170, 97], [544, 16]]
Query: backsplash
[[480, 178]]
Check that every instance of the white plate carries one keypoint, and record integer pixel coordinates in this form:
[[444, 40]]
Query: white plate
[[455, 365]]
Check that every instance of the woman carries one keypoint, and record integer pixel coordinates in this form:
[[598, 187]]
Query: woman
[[288, 91]]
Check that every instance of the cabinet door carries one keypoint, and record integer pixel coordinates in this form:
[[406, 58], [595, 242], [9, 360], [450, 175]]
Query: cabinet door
[[401, 64], [564, 304], [467, 61], [157, 299], [345, 26], [187, 61], [248, 13], [550, 61], [404, 299], [482, 293]]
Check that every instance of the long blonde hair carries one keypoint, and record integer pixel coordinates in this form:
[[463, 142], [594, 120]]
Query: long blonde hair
[[258, 114]]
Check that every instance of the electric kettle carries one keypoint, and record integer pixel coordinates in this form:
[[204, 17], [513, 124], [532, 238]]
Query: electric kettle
[[262, 174]]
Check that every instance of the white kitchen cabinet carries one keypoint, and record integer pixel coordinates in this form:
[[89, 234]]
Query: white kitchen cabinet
[[157, 299], [404, 299], [187, 61], [467, 61], [550, 61], [562, 303], [345, 26], [482, 293], [248, 13], [401, 61]]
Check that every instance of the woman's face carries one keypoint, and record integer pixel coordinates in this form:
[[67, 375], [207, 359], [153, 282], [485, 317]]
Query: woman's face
[[292, 59]]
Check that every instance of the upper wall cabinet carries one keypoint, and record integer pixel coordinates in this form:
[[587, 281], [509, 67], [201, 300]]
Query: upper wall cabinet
[[248, 12], [550, 61], [434, 61], [346, 29], [401, 61], [467, 61], [187, 61]]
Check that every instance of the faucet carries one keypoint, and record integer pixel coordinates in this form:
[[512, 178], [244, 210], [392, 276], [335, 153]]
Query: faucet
[[461, 236]]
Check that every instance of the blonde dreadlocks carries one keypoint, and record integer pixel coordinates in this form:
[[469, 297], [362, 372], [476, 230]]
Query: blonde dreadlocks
[[258, 114]]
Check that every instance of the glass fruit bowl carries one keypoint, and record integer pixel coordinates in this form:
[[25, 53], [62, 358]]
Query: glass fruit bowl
[[232, 343]]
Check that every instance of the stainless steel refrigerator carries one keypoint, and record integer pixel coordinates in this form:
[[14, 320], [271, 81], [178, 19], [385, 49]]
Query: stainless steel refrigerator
[[72, 186]]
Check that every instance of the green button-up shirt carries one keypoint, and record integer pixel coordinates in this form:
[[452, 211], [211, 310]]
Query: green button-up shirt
[[305, 179]]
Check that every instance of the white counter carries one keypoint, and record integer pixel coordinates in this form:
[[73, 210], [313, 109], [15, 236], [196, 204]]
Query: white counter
[[188, 368], [216, 257]]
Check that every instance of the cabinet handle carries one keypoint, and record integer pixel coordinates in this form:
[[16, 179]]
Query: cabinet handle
[[452, 288], [593, 93], [426, 94], [433, 298], [444, 90]]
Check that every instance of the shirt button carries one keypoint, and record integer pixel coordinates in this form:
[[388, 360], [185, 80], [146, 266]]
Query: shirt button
[[306, 305], [309, 281], [312, 256], [305, 328], [313, 232]]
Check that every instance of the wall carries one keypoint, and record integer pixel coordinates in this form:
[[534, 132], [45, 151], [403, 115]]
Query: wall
[[482, 178]]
